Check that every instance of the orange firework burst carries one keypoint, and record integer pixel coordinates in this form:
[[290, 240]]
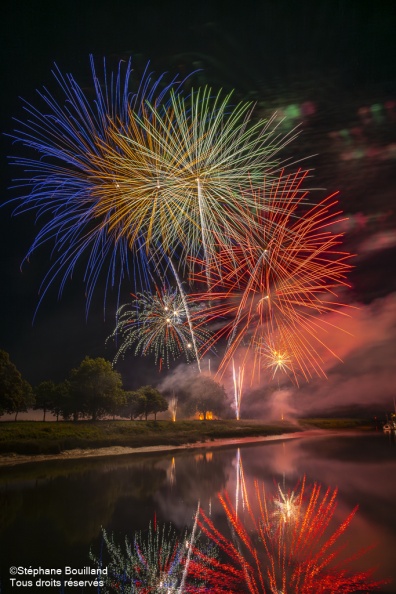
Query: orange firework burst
[[275, 357], [289, 547], [277, 284]]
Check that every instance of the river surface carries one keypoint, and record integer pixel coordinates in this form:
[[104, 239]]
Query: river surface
[[51, 513]]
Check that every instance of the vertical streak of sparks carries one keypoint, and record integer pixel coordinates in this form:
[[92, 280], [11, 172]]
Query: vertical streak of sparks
[[190, 545], [187, 310], [173, 407], [240, 488], [238, 386]]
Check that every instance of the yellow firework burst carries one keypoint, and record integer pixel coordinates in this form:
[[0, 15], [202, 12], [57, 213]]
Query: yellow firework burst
[[177, 174]]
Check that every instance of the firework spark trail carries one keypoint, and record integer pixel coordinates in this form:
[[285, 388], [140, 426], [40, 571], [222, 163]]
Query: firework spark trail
[[187, 312], [276, 285], [238, 480], [182, 167], [157, 324], [240, 487], [63, 184], [286, 546], [237, 377], [173, 407], [190, 545]]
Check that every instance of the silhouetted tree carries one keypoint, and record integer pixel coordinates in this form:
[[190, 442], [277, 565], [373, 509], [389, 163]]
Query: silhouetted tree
[[117, 403], [16, 394], [24, 400], [94, 386], [206, 395], [61, 401], [154, 402], [68, 402], [134, 407], [45, 394]]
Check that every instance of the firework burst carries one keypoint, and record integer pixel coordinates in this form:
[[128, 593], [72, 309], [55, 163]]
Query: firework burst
[[64, 182], [179, 170], [274, 357], [157, 324], [189, 179], [277, 285]]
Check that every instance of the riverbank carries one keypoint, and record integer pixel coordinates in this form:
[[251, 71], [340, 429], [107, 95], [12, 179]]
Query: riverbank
[[14, 459], [35, 441]]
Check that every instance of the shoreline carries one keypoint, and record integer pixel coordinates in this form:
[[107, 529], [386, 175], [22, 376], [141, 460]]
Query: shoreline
[[109, 451]]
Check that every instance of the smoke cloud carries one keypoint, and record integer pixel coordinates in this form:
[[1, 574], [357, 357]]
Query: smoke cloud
[[364, 379]]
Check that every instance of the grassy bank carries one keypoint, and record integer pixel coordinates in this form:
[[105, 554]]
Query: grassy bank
[[37, 437], [324, 423]]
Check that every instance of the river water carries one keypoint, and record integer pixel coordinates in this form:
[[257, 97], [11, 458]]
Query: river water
[[51, 513]]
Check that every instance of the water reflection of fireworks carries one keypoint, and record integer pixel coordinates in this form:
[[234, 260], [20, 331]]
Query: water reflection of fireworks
[[290, 546], [287, 506], [287, 543], [171, 472], [240, 487], [162, 562], [153, 562]]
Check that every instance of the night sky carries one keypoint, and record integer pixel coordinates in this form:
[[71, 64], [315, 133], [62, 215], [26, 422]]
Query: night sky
[[338, 54]]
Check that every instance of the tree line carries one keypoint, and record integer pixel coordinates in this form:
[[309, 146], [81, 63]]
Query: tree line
[[94, 390]]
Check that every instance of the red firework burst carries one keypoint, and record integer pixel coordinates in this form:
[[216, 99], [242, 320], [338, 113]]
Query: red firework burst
[[278, 284]]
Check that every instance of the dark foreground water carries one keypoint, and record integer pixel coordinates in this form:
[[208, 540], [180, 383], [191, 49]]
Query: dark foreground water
[[51, 514]]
